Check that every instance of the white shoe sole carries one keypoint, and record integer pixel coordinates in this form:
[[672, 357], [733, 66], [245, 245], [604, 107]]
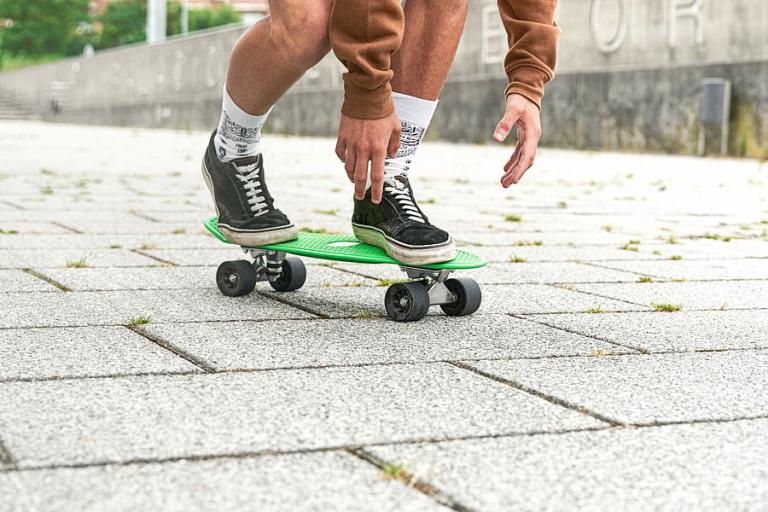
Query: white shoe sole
[[250, 238], [410, 255]]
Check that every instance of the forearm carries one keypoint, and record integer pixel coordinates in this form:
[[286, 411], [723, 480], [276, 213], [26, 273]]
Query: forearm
[[533, 34], [364, 34]]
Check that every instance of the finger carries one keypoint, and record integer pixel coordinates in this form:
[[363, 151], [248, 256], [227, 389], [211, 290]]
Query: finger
[[514, 158], [341, 149], [527, 158], [505, 126], [349, 166], [361, 175], [394, 144], [377, 178]]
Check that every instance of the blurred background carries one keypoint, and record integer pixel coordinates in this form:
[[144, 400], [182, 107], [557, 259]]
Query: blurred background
[[671, 76]]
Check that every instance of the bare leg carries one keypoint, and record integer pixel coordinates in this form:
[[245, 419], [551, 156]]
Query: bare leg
[[432, 32], [274, 53]]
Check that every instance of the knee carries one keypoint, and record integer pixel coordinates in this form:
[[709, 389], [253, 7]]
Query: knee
[[304, 35]]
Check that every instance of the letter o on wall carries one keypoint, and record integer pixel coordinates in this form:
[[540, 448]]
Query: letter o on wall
[[616, 41]]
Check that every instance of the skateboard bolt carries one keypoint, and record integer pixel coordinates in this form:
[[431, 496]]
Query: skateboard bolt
[[232, 278], [404, 302]]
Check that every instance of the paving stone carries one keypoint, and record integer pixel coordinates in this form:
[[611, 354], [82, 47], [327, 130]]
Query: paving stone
[[11, 229], [497, 299], [314, 482], [18, 281], [683, 331], [512, 273], [281, 344], [689, 295], [163, 278], [549, 238], [212, 256], [703, 467], [698, 269], [138, 227], [557, 253], [128, 418], [118, 307], [78, 352], [42, 258], [650, 388], [106, 241]]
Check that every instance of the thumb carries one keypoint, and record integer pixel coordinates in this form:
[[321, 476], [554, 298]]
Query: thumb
[[504, 127]]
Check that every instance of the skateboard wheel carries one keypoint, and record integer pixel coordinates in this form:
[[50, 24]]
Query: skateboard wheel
[[407, 302], [292, 277], [468, 296], [236, 278]]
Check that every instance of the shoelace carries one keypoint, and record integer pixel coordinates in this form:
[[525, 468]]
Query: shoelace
[[252, 184], [404, 199]]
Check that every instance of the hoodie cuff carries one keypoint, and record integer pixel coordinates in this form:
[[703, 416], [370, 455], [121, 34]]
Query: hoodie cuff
[[364, 103]]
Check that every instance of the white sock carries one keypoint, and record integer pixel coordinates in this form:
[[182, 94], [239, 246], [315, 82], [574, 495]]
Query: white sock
[[415, 114], [239, 133]]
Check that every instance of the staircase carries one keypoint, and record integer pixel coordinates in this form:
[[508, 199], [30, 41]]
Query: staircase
[[12, 108]]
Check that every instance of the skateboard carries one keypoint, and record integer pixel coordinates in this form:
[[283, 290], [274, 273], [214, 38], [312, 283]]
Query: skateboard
[[427, 285]]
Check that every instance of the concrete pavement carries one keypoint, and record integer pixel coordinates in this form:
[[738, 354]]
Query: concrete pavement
[[618, 361]]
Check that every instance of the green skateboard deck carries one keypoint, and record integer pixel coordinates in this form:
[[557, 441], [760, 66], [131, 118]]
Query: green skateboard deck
[[350, 249]]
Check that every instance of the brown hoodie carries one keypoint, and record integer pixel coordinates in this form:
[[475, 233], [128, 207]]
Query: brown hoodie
[[365, 33]]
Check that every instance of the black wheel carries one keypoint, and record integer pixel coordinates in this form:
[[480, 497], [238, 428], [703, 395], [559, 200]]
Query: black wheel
[[407, 302], [468, 297], [292, 277], [236, 278]]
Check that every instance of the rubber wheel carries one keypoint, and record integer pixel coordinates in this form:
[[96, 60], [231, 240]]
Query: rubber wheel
[[407, 302], [292, 277], [236, 278], [468, 297]]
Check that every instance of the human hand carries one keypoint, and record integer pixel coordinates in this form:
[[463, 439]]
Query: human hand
[[362, 141], [525, 114]]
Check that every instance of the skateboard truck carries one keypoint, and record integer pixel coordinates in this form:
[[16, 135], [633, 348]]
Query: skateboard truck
[[239, 277]]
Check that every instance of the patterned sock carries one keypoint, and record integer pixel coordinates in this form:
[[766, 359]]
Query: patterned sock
[[415, 115], [239, 133]]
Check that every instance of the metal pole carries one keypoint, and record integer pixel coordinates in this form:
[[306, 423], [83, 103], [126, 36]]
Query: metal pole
[[185, 17], [156, 15]]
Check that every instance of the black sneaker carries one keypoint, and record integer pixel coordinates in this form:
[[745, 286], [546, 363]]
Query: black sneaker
[[247, 215], [398, 226]]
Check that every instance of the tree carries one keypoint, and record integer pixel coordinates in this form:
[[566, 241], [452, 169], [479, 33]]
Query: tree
[[43, 27], [124, 21]]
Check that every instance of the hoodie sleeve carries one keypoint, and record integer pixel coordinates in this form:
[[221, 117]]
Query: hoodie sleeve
[[533, 34], [364, 34]]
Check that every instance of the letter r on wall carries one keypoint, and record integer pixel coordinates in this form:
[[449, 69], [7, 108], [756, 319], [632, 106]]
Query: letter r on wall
[[685, 9]]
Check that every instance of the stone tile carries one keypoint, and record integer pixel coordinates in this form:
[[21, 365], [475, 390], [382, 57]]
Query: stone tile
[[703, 467], [42, 258], [512, 273], [690, 295], [139, 227], [30, 228], [683, 331], [557, 253], [129, 418], [18, 281], [650, 388], [497, 299], [273, 483], [281, 344], [107, 241], [553, 237], [213, 256], [118, 307], [165, 278], [80, 352], [698, 269]]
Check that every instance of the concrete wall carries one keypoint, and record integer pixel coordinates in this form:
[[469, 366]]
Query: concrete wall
[[628, 78]]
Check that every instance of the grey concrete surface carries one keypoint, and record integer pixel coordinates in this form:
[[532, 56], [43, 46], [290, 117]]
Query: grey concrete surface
[[256, 402], [678, 332], [276, 344], [704, 467], [273, 483], [133, 418], [650, 389], [82, 352]]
